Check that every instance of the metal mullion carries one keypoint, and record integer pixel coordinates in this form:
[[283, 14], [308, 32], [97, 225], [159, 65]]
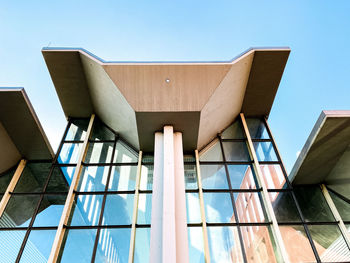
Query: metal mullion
[[233, 201], [279, 190], [101, 141], [102, 207], [194, 224], [270, 163], [265, 195], [232, 140], [143, 225], [232, 190], [192, 191], [73, 141], [261, 140], [105, 192], [240, 224], [97, 227], [109, 164], [339, 195], [13, 228], [227, 162], [145, 191]]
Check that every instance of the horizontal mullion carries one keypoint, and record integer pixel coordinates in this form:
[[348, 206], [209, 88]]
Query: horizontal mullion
[[73, 141], [194, 224], [110, 164], [240, 224], [38, 193], [192, 190], [234, 140], [280, 190], [261, 140], [270, 162], [227, 162], [101, 141], [145, 191], [97, 227], [284, 223], [57, 164], [105, 192], [232, 190], [143, 225], [40, 161], [13, 228]]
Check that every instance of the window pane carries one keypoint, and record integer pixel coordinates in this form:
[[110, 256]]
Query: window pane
[[123, 178], [33, 178], [19, 210], [70, 153], [214, 176], [38, 246], [211, 153], [224, 245], [265, 152], [329, 243], [190, 176], [113, 245], [313, 205], [218, 208], [144, 209], [296, 241], [5, 179], [60, 178], [343, 207], [10, 241], [142, 244], [146, 177], [124, 154], [78, 245], [236, 151], [101, 133], [50, 210], [193, 208], [77, 129], [234, 131], [249, 207], [257, 128], [93, 178], [259, 244], [195, 244], [284, 207], [118, 209], [99, 152], [242, 176], [273, 176], [86, 210]]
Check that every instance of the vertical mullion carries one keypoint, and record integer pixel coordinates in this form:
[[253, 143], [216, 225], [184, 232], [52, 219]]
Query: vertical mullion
[[134, 214], [201, 202], [233, 201], [70, 197], [265, 194]]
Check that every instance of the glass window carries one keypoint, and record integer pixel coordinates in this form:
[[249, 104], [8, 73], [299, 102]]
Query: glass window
[[329, 243], [193, 208], [5, 179], [50, 210], [146, 180], [77, 129], [70, 153], [234, 131], [273, 176], [224, 245], [15, 239], [214, 176], [190, 176], [19, 211], [211, 153], [60, 179], [123, 178], [144, 209], [113, 245], [342, 206], [118, 209], [265, 152], [93, 178], [78, 245], [101, 133], [257, 128], [142, 245], [249, 207], [218, 208], [242, 176], [295, 242], [124, 154], [236, 151], [195, 244], [284, 207], [99, 152]]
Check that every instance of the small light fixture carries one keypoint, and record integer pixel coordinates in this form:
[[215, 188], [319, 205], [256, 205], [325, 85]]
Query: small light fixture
[[167, 80]]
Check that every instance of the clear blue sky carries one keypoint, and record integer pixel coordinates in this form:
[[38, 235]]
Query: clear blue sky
[[316, 76]]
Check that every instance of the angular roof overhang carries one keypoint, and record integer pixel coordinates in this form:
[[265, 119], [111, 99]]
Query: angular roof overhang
[[200, 99], [21, 134], [325, 157]]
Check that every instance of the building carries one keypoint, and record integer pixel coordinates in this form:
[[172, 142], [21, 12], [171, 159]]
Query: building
[[169, 162]]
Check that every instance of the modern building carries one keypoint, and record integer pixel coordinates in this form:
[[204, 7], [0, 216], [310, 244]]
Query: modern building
[[169, 162]]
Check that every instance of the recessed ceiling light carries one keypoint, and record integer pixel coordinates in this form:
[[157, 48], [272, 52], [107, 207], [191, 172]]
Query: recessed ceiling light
[[167, 80]]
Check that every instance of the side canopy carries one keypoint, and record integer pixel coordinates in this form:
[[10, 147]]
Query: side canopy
[[21, 135], [137, 99]]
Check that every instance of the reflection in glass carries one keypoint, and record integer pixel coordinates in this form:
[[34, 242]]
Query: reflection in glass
[[284, 207], [193, 208], [15, 239], [19, 211], [146, 180], [86, 210], [122, 178], [242, 176], [213, 176], [113, 245], [259, 244], [38, 246], [70, 153], [343, 206], [77, 129], [50, 210], [93, 178], [101, 133], [273, 176], [224, 244], [118, 209], [313, 204], [33, 178], [295, 241], [218, 208], [78, 245], [265, 152], [99, 152], [211, 153], [142, 244], [234, 131], [329, 243], [249, 207], [195, 244], [60, 179], [5, 179], [190, 176], [144, 209], [124, 154], [236, 151], [257, 128]]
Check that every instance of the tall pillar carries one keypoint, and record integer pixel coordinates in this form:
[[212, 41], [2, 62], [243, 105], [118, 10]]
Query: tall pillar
[[168, 221]]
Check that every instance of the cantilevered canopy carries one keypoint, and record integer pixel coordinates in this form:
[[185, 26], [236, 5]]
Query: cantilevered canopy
[[21, 135], [200, 99], [325, 157]]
